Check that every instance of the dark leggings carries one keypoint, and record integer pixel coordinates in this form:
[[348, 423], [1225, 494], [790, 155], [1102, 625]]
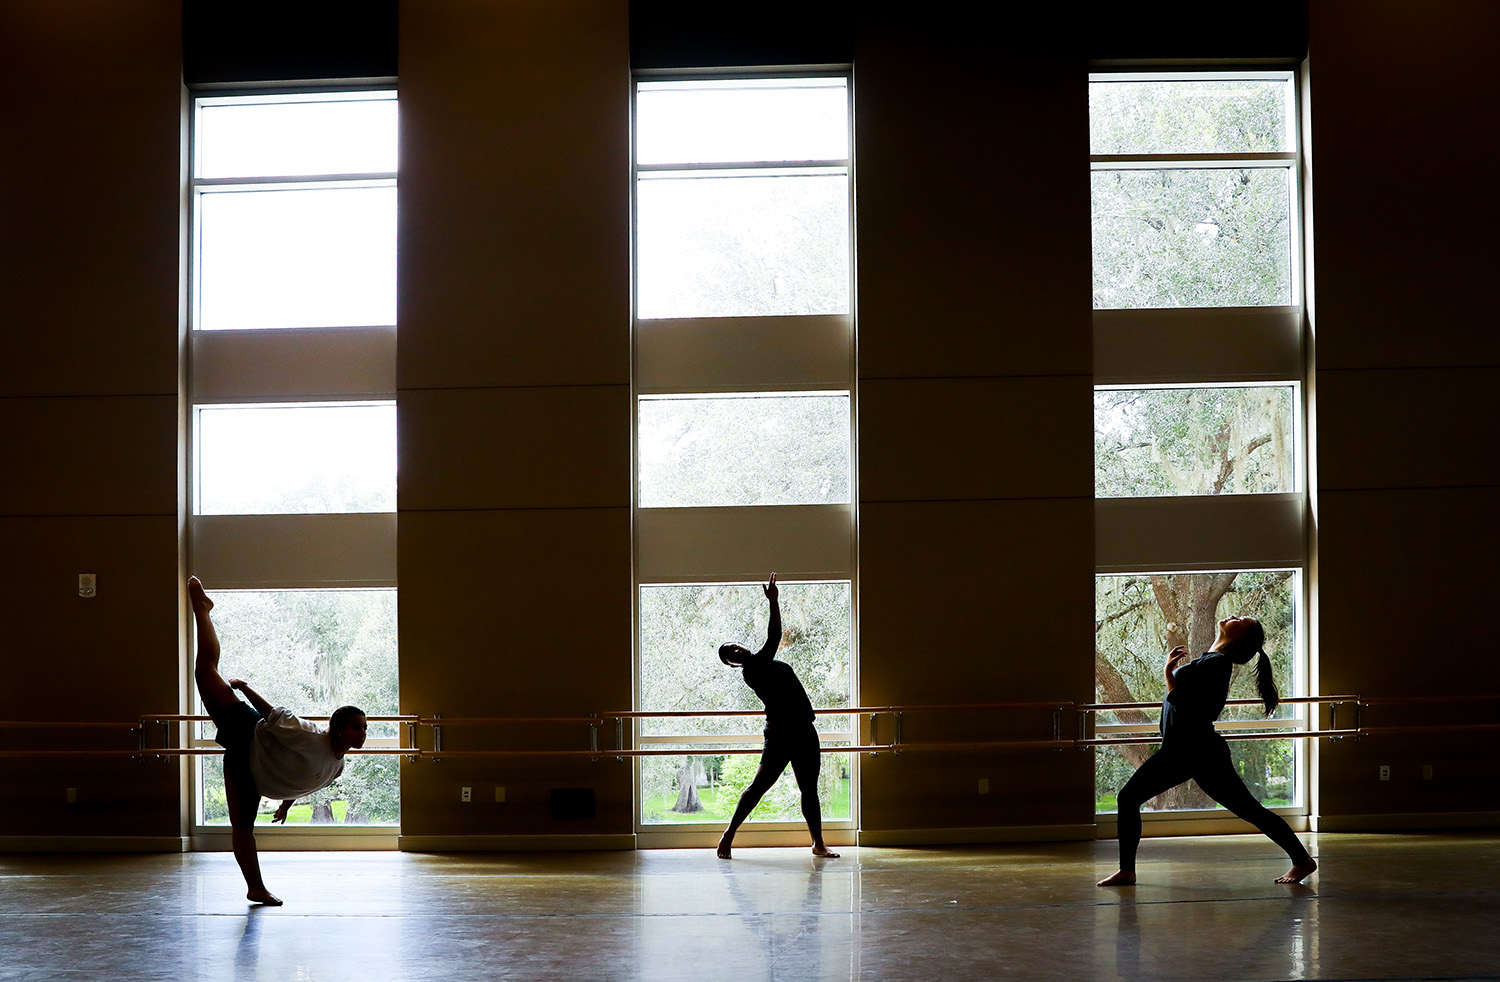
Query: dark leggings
[[1206, 761]]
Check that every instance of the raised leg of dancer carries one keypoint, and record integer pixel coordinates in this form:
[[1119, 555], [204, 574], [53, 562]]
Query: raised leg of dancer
[[239, 787]]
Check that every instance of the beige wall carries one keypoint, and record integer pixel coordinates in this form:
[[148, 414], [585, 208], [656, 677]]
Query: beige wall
[[513, 375], [90, 203], [976, 538], [1403, 262], [975, 457]]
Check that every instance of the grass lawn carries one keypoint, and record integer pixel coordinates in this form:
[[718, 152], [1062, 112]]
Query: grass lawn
[[835, 810]]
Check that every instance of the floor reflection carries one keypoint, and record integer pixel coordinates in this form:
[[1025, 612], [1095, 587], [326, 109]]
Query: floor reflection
[[1385, 907]]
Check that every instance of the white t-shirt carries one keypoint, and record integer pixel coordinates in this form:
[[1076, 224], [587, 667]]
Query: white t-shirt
[[290, 757]]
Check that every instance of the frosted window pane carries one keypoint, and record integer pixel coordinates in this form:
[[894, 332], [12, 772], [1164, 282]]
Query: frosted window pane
[[1141, 617], [1223, 440], [313, 651], [1191, 238], [1238, 116], [296, 460], [743, 246], [764, 450], [683, 626], [295, 139], [742, 121], [314, 257]]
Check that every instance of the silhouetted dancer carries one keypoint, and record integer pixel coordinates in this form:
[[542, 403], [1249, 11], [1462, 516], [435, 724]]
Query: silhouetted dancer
[[1191, 748], [268, 752], [791, 737]]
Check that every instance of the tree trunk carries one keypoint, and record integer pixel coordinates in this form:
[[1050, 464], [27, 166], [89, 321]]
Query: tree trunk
[[687, 787], [322, 814]]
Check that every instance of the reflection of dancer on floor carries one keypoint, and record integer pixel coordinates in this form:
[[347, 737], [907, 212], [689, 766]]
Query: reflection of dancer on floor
[[267, 751], [790, 735], [1190, 747]]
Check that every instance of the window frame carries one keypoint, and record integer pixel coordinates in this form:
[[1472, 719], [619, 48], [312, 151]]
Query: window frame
[[338, 365], [709, 356], [1196, 347]]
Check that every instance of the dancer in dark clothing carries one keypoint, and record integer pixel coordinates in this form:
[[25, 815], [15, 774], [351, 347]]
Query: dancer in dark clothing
[[790, 735], [1191, 748]]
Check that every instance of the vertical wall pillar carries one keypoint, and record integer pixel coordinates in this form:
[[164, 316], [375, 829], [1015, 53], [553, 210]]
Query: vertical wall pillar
[[514, 401], [90, 198], [975, 380], [1408, 361]]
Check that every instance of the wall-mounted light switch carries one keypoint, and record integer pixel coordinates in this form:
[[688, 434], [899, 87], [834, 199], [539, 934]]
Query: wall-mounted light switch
[[86, 585]]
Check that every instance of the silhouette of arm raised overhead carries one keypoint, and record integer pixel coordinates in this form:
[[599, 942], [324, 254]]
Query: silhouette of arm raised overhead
[[773, 630]]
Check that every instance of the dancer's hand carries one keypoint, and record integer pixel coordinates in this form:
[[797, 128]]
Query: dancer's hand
[[281, 813], [1177, 654], [770, 588], [237, 683]]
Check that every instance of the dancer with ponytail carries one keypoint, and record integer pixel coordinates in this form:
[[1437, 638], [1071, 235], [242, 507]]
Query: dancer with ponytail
[[1192, 749]]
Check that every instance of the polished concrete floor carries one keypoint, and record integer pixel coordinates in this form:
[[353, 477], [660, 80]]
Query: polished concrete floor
[[1381, 907]]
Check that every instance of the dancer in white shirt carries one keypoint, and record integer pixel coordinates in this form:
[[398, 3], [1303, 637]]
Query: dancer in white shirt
[[268, 751]]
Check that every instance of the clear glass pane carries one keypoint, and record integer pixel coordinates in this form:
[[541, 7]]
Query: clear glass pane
[[1268, 768], [716, 246], [758, 450], [1192, 238], [1224, 440], [285, 139], [1191, 116], [313, 651], [704, 788], [309, 257], [296, 460], [742, 121], [1139, 617], [683, 626]]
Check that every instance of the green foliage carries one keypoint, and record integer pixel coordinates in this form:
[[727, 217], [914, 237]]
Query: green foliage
[[1191, 238], [1134, 631], [1190, 116], [313, 651], [1216, 440]]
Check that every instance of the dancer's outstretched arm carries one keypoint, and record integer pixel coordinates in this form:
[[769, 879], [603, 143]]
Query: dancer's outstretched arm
[[773, 630]]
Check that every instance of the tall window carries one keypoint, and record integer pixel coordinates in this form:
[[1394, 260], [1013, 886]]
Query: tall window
[[1198, 424], [744, 425], [293, 451]]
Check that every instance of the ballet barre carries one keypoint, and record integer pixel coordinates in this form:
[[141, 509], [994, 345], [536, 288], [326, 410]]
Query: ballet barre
[[738, 744]]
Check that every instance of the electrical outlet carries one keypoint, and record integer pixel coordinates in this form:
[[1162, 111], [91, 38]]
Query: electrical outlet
[[1385, 772], [1427, 772], [87, 585], [466, 794], [499, 794], [72, 796], [984, 785]]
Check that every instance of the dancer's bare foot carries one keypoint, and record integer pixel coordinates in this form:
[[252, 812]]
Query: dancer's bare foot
[[824, 851], [724, 847], [1299, 871], [1118, 879], [199, 599], [263, 896]]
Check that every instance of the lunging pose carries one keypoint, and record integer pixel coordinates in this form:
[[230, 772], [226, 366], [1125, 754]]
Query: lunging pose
[[790, 735], [1191, 748], [267, 751]]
